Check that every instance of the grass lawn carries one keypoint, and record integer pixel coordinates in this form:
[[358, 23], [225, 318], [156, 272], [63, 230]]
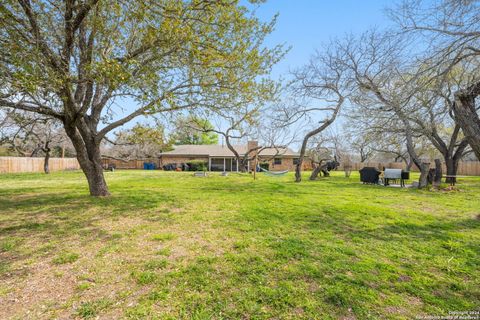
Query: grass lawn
[[173, 246]]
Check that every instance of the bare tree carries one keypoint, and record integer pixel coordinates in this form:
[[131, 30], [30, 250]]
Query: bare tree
[[143, 141], [319, 91], [376, 67], [430, 116], [451, 30], [359, 140], [31, 136], [363, 146], [433, 118]]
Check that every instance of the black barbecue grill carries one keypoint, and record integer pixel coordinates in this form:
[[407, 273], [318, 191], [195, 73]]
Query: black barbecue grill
[[369, 175], [394, 175]]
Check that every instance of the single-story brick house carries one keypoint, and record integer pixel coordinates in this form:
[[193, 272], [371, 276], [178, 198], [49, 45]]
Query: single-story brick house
[[220, 158]]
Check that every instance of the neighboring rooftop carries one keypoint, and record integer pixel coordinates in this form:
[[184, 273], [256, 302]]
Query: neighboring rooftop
[[214, 150]]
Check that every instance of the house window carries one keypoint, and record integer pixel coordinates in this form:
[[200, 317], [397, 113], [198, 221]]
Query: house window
[[295, 161], [277, 161]]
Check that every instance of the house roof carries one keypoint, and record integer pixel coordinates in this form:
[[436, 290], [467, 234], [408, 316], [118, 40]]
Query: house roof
[[214, 150]]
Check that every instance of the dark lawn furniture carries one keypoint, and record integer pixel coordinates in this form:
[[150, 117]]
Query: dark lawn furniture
[[369, 175], [395, 174]]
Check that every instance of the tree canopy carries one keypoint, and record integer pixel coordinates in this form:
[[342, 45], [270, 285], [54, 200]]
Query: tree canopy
[[193, 130], [80, 61]]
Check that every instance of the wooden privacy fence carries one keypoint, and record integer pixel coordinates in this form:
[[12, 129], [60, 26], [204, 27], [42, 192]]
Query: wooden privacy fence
[[24, 164], [27, 164], [130, 164]]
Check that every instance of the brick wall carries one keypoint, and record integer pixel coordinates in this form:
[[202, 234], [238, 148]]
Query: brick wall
[[287, 164]]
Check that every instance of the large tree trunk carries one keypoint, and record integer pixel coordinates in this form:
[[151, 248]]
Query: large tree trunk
[[422, 166], [298, 171], [303, 150], [46, 167], [242, 162], [93, 170], [467, 117], [437, 179], [88, 155], [423, 180], [452, 166], [96, 181], [316, 170]]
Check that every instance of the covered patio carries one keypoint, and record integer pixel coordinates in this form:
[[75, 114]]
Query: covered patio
[[222, 164]]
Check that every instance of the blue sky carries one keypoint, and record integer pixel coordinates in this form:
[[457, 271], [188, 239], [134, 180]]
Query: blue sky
[[304, 25], [307, 24]]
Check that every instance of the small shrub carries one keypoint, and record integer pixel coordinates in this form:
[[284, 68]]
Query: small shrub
[[197, 165]]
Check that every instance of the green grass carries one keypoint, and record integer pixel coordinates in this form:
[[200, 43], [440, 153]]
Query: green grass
[[66, 257], [91, 309], [163, 237], [174, 246]]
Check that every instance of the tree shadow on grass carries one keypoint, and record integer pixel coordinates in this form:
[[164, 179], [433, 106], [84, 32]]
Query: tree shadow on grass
[[439, 230], [42, 218]]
